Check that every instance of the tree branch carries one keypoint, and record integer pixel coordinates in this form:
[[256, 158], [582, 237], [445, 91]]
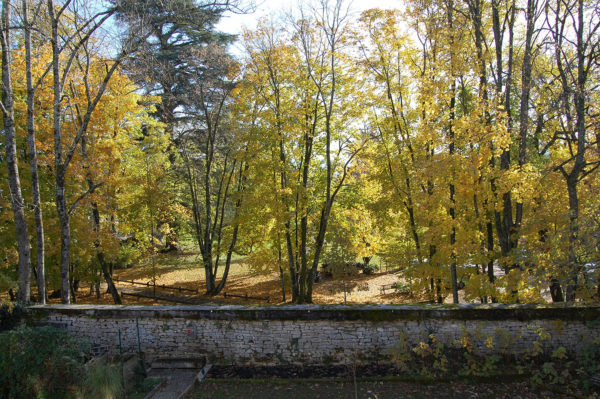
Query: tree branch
[[82, 196]]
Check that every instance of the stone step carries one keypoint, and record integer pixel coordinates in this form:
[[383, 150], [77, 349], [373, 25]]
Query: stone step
[[178, 363], [177, 383]]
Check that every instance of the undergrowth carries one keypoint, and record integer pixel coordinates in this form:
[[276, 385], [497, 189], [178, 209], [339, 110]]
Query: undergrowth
[[475, 356]]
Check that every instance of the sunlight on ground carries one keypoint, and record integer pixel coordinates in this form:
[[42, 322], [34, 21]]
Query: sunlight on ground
[[184, 270]]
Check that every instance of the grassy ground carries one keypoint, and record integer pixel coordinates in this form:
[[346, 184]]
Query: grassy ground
[[326, 389], [184, 270]]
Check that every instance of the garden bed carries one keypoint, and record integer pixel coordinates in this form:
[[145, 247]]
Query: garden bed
[[382, 389], [375, 380]]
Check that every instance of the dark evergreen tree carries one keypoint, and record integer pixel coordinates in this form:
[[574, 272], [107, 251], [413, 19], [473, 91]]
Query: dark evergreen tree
[[168, 63]]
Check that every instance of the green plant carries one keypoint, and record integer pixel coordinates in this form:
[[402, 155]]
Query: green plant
[[401, 354], [555, 371], [369, 268], [42, 362], [431, 357], [590, 357], [401, 287], [480, 366], [103, 381], [10, 315]]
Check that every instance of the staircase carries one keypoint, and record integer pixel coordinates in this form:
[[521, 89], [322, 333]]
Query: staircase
[[179, 375]]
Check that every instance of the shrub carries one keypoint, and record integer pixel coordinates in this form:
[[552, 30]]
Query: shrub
[[42, 362], [10, 315], [103, 381], [401, 287], [369, 268]]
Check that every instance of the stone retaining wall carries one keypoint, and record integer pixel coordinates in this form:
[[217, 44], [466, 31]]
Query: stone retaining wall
[[319, 334]]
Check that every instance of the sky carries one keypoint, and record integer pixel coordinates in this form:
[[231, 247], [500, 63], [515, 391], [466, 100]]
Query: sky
[[232, 23]]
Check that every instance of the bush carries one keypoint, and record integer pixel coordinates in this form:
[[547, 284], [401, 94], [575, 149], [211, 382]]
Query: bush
[[10, 315], [401, 287], [42, 362], [369, 268], [570, 372]]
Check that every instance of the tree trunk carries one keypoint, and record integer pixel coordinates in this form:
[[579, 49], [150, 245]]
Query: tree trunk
[[505, 227], [306, 276], [228, 260], [453, 278], [575, 174], [556, 291], [319, 242], [291, 263], [17, 203], [573, 267], [208, 272], [35, 186], [282, 279], [59, 169], [72, 288], [96, 219]]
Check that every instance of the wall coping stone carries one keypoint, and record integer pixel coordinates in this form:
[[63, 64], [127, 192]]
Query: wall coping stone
[[375, 313]]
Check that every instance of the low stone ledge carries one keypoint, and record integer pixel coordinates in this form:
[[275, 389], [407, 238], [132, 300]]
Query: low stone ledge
[[373, 313], [312, 334]]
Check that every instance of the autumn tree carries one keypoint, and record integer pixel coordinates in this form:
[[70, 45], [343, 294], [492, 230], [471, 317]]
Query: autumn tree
[[575, 45], [31, 144], [17, 201], [306, 81]]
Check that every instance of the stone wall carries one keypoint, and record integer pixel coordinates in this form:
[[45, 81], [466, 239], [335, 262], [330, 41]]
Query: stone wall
[[318, 334]]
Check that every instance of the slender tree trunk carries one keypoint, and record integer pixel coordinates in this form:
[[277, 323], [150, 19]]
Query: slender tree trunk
[[72, 286], [35, 186], [573, 177], [228, 260], [288, 237], [207, 252], [490, 248], [14, 183], [573, 267], [305, 275], [452, 210], [291, 263], [282, 280], [96, 219], [505, 227], [524, 108], [65, 239], [59, 167], [238, 205]]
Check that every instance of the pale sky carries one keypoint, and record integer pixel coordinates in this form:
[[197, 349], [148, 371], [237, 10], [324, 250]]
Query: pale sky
[[232, 23]]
